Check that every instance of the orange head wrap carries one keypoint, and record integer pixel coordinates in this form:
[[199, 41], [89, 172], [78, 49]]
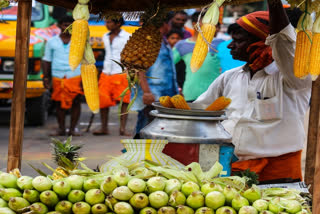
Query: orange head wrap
[[260, 54], [253, 25]]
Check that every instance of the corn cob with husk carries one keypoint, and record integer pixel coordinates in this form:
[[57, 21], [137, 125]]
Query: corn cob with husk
[[303, 46], [89, 76], [205, 37], [314, 67], [80, 29], [179, 102], [166, 102], [16, 172], [219, 104]]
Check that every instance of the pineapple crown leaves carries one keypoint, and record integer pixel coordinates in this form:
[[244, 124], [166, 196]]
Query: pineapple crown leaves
[[39, 171], [64, 153], [68, 29], [118, 63]]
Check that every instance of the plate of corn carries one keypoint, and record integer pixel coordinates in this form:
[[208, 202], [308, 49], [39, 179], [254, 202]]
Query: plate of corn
[[179, 106]]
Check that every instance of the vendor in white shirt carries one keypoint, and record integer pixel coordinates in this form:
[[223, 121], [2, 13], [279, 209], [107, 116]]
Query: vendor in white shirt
[[266, 115]]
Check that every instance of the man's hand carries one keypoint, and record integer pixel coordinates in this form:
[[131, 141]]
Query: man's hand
[[46, 68], [46, 82], [278, 16], [148, 98]]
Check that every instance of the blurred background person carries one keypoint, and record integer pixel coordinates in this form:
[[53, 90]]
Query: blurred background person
[[112, 81], [178, 21], [220, 34], [174, 36], [197, 83], [65, 83]]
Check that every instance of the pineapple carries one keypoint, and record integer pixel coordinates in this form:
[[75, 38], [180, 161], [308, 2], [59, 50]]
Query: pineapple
[[64, 155], [142, 49]]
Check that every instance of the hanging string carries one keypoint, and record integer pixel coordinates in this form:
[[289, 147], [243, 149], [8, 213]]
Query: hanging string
[[306, 12], [198, 28]]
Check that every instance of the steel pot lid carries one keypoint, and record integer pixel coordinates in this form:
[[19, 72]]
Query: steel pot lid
[[186, 129]]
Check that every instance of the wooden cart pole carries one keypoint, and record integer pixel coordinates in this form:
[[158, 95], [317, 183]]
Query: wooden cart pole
[[19, 84], [316, 180], [313, 137], [316, 155], [312, 167]]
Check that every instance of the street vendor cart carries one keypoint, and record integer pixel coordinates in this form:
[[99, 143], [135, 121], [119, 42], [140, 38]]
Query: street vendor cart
[[312, 174]]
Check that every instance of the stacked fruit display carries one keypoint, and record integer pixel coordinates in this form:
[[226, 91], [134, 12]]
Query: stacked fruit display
[[123, 193]]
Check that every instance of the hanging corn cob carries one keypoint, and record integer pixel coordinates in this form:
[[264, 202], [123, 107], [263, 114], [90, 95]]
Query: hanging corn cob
[[166, 102], [89, 76], [219, 104], [314, 66], [303, 46], [206, 34], [179, 102], [81, 51], [80, 29]]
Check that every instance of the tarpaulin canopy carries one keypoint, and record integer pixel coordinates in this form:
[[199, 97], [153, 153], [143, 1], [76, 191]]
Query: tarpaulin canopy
[[97, 6]]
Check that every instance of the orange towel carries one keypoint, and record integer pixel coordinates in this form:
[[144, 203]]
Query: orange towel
[[284, 166], [65, 90], [110, 89], [189, 29]]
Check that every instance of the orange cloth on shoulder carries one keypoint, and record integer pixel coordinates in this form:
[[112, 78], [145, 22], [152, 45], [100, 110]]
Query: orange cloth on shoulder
[[110, 89], [65, 90], [284, 166]]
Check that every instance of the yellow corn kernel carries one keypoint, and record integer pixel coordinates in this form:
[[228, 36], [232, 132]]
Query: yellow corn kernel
[[79, 35], [16, 172], [166, 102], [201, 47], [59, 173], [314, 65], [301, 57], [219, 104], [89, 76], [179, 102]]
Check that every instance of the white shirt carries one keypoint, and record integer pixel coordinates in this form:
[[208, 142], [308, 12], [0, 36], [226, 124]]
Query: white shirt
[[281, 129], [113, 51]]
